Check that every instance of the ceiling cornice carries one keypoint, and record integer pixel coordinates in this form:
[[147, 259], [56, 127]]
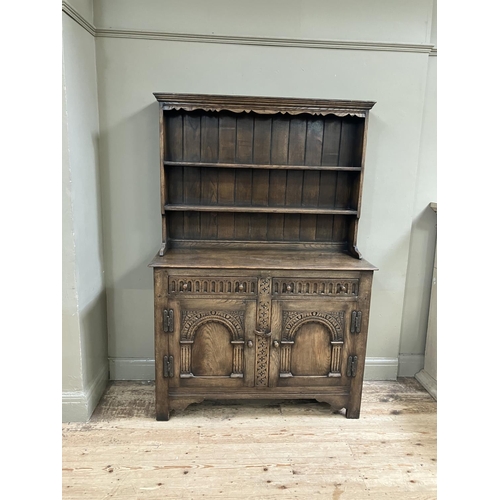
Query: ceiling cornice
[[246, 40]]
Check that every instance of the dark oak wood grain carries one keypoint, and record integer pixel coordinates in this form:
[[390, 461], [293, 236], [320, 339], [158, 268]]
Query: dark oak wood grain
[[264, 209], [261, 166], [260, 288], [272, 259], [212, 354], [311, 353], [209, 178]]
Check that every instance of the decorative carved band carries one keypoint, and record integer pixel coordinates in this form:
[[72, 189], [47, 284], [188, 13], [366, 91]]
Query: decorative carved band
[[264, 285], [327, 287], [264, 305], [264, 320], [191, 321], [334, 321], [262, 334], [212, 286], [262, 361]]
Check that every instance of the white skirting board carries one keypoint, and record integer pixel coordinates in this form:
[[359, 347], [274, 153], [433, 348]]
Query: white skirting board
[[410, 364], [78, 406], [144, 369], [428, 382], [131, 368]]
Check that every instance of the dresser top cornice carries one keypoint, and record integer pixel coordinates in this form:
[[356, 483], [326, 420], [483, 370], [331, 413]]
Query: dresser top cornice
[[263, 105]]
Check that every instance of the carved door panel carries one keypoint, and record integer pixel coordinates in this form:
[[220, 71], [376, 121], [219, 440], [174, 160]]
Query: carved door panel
[[210, 344], [310, 343]]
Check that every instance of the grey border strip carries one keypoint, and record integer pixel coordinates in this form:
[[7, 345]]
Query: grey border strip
[[77, 17], [246, 40], [263, 41], [144, 368], [410, 364], [427, 382], [131, 368], [381, 369]]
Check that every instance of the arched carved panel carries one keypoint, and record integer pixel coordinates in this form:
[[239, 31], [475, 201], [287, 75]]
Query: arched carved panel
[[212, 343], [334, 322], [191, 320], [312, 344]]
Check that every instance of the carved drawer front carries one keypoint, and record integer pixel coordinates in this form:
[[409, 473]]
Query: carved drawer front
[[178, 285], [306, 287]]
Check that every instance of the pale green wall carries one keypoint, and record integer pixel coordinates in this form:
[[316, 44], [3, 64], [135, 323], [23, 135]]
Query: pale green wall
[[85, 364], [131, 69], [394, 69], [71, 353], [403, 21], [423, 233]]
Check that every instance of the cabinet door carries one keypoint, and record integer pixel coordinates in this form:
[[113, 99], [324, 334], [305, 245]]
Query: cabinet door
[[209, 343], [310, 343]]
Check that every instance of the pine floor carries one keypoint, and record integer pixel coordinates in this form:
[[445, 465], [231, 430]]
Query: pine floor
[[256, 450]]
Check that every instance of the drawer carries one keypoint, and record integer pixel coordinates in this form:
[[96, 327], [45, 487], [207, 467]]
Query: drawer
[[306, 287], [210, 286]]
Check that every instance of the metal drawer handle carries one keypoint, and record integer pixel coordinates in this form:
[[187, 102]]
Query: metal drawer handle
[[262, 333]]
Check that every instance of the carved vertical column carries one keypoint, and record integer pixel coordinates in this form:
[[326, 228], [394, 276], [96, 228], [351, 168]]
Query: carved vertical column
[[186, 358], [286, 352], [237, 358], [335, 369], [263, 333]]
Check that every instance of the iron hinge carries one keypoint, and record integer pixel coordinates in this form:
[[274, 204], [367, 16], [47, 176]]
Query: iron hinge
[[168, 366], [168, 320], [352, 365], [356, 322]]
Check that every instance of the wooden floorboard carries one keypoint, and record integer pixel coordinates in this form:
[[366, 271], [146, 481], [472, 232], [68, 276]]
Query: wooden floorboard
[[254, 450]]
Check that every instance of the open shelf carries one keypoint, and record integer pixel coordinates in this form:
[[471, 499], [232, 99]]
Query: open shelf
[[266, 210], [286, 179], [258, 165]]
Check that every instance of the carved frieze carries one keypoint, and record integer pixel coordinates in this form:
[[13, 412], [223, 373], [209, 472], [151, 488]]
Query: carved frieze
[[211, 286], [316, 287]]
